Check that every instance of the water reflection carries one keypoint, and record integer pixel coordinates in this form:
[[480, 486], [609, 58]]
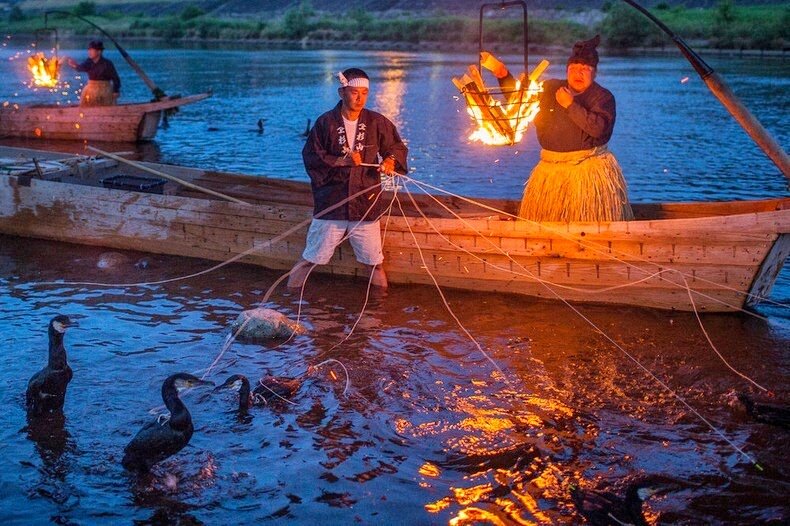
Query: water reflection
[[389, 96], [55, 447], [696, 150], [429, 431], [52, 440]]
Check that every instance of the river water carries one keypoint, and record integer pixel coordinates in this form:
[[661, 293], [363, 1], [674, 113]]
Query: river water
[[486, 409]]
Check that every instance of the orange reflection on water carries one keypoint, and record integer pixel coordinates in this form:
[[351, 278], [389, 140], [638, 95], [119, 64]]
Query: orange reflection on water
[[476, 516], [439, 505], [389, 95], [467, 496], [430, 470]]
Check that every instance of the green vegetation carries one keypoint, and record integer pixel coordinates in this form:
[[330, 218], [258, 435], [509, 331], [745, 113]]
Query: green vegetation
[[85, 9], [726, 26]]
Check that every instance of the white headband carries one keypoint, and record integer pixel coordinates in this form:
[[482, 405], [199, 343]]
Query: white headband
[[359, 82]]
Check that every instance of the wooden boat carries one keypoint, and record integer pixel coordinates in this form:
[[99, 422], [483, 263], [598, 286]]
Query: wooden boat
[[120, 123], [716, 256]]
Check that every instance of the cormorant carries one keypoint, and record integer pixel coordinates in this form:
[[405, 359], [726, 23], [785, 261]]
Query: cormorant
[[602, 508], [155, 442], [774, 414], [46, 390], [269, 389], [306, 131], [260, 125]]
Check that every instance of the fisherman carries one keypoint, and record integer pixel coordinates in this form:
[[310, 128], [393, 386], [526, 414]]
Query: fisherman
[[577, 178], [347, 150], [104, 85]]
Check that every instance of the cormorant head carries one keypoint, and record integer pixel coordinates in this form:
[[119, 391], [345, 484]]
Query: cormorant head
[[60, 323], [183, 381], [234, 382]]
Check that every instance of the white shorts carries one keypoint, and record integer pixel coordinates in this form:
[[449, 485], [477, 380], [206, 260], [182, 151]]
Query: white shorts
[[324, 235]]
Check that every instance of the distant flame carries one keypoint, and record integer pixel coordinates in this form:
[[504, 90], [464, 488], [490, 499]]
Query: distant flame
[[44, 70]]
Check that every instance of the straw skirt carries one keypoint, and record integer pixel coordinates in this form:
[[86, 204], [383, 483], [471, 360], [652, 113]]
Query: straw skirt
[[586, 185], [97, 93]]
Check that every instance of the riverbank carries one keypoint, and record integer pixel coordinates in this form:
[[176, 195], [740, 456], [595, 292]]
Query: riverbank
[[760, 28]]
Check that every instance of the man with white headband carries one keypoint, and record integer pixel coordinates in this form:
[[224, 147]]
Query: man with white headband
[[346, 152]]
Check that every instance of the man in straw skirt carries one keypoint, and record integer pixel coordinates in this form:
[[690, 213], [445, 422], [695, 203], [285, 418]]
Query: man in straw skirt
[[104, 85], [577, 178], [346, 152]]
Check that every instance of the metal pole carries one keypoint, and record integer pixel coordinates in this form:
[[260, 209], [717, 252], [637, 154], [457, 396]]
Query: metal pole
[[504, 5]]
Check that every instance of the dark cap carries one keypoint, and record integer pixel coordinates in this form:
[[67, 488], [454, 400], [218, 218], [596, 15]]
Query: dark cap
[[584, 52], [96, 44]]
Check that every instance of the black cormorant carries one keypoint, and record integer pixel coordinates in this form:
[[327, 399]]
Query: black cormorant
[[260, 125], [46, 390], [602, 508], [156, 441], [269, 389], [306, 131]]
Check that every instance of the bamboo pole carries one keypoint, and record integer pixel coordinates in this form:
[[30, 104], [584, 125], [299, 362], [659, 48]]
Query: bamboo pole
[[167, 176]]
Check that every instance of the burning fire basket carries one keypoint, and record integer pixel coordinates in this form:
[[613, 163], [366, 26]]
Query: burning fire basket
[[45, 70], [503, 113]]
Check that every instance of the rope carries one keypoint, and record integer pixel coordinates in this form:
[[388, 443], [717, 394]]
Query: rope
[[549, 284], [568, 287], [232, 337], [233, 259], [444, 299], [613, 342], [597, 249], [712, 346]]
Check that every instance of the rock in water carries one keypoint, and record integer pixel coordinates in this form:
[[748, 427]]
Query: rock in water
[[109, 260], [264, 324]]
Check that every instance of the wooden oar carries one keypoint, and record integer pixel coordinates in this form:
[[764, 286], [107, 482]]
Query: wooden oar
[[727, 98], [167, 176]]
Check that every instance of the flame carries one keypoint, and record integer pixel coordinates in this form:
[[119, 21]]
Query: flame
[[505, 124], [44, 70]]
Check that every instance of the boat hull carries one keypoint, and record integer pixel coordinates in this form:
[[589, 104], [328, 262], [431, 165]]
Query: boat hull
[[121, 123], [708, 256]]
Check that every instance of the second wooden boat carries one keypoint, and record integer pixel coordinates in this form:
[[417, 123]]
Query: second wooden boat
[[120, 123]]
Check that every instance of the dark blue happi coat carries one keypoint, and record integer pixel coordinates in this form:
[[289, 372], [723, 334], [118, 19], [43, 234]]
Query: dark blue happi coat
[[332, 174]]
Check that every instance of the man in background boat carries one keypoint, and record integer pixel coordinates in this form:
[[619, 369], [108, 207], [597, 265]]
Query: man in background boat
[[346, 152], [104, 85], [577, 178]]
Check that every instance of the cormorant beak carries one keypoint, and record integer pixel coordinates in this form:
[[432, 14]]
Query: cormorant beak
[[228, 384], [61, 326]]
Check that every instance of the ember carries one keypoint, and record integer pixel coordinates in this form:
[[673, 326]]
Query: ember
[[501, 122], [44, 70]]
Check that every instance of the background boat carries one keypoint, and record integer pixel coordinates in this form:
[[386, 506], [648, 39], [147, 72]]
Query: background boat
[[120, 123]]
